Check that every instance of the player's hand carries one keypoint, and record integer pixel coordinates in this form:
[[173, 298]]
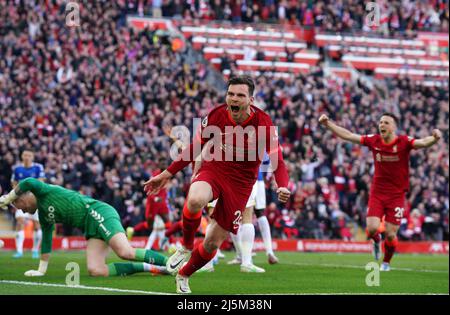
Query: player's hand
[[324, 120], [154, 184], [437, 134], [34, 273], [4, 202], [283, 194]]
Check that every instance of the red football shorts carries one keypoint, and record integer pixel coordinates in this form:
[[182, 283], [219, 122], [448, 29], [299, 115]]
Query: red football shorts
[[390, 206], [155, 205], [232, 199]]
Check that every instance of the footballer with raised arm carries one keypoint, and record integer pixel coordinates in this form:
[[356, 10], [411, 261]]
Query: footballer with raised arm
[[99, 221], [391, 179], [236, 135]]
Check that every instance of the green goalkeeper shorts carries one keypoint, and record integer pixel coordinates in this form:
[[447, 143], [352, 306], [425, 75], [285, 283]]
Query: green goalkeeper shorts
[[103, 222]]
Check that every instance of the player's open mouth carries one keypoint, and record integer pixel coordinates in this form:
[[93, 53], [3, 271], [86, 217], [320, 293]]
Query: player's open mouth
[[234, 109]]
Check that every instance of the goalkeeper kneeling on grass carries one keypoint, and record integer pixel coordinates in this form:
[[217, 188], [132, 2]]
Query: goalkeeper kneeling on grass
[[99, 221]]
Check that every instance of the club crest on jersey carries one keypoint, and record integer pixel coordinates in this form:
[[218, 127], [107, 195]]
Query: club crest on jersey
[[394, 149]]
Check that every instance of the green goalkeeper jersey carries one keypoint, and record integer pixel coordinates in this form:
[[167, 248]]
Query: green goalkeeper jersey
[[59, 205]]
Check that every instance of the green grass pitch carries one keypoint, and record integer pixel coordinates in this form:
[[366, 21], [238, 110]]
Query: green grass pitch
[[297, 273]]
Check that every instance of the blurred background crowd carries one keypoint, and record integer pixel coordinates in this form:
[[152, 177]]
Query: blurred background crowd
[[96, 102]]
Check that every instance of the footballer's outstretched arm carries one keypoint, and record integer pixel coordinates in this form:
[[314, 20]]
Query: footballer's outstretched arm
[[9, 198], [428, 141], [46, 248], [281, 175], [276, 159], [28, 184], [339, 131]]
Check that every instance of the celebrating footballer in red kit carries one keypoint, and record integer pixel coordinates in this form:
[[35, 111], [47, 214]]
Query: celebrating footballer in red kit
[[235, 135], [391, 178]]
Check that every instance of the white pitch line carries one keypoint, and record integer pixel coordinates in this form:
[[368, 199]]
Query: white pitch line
[[363, 267], [44, 284], [162, 293]]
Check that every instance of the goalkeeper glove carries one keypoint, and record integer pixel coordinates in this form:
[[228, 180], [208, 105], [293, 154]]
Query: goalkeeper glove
[[5, 200], [40, 272], [33, 273]]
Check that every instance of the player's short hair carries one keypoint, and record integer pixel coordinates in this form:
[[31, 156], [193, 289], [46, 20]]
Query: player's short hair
[[243, 79], [392, 116], [26, 150]]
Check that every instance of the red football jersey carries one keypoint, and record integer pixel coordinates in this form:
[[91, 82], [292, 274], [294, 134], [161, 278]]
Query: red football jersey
[[391, 163], [235, 151]]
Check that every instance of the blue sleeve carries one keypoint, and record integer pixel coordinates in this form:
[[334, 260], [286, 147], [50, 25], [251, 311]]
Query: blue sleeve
[[14, 176]]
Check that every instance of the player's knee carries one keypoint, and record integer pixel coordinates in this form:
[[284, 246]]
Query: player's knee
[[96, 271], [372, 229], [195, 203], [20, 224], [211, 245], [390, 236]]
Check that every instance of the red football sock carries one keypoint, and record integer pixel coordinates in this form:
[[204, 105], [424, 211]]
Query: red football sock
[[177, 226], [199, 258], [191, 222], [389, 249], [141, 226], [375, 237]]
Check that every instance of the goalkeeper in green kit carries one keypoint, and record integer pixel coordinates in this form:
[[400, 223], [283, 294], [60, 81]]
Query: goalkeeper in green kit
[[99, 221]]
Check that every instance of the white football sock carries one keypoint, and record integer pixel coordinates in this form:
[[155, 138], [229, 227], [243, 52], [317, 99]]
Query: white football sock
[[264, 227], [20, 237], [247, 240], [160, 235], [151, 240], [147, 266], [236, 238], [37, 239]]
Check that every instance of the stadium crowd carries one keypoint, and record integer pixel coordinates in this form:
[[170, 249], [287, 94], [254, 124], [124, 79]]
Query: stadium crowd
[[95, 104], [396, 17]]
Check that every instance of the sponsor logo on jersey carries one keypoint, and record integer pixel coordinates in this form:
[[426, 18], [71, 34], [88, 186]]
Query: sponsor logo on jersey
[[51, 214], [387, 158], [390, 158]]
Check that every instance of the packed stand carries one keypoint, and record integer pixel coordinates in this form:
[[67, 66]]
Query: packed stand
[[96, 102], [396, 17]]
